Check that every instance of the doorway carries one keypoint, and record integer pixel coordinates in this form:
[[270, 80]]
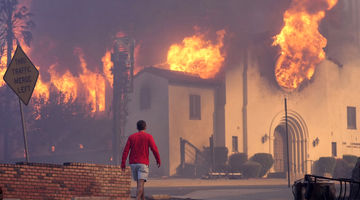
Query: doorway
[[297, 140]]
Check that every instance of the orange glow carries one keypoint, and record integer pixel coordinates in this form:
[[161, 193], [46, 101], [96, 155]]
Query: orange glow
[[107, 67], [301, 44], [136, 55], [53, 148], [91, 84], [87, 87], [81, 146], [94, 84], [2, 73], [3, 63], [197, 56], [66, 84], [108, 64], [41, 89]]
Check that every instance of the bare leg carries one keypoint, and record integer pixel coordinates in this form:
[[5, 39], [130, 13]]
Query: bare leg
[[140, 190], [143, 190]]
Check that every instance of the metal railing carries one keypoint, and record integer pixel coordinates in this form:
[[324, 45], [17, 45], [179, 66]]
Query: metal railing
[[348, 188], [188, 151]]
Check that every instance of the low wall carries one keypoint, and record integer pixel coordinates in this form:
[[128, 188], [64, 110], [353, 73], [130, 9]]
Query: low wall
[[50, 181]]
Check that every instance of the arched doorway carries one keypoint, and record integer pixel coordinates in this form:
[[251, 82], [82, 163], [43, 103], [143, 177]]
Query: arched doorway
[[297, 140], [280, 156]]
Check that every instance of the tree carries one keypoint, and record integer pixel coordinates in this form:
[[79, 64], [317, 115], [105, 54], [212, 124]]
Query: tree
[[15, 26], [65, 125]]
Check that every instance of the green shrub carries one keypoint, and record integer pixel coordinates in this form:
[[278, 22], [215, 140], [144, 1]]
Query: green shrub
[[342, 169], [265, 160], [251, 169], [350, 159], [315, 168], [236, 161], [326, 165]]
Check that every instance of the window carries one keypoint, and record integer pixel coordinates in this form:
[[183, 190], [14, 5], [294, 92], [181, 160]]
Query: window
[[351, 117], [235, 144], [145, 98], [333, 149], [195, 107]]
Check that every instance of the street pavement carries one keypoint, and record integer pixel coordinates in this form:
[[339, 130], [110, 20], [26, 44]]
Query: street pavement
[[216, 189]]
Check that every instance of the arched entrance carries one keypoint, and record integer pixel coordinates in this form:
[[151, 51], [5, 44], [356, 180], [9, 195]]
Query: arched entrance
[[280, 156], [297, 140]]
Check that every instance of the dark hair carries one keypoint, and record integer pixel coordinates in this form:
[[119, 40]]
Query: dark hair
[[141, 125]]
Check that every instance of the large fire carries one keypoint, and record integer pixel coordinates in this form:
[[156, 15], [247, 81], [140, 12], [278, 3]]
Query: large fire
[[301, 44], [88, 85], [196, 55], [94, 85]]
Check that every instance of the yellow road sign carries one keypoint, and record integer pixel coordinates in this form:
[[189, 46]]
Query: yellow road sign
[[21, 75]]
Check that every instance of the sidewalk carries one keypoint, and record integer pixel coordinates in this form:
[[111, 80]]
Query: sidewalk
[[183, 182], [224, 189]]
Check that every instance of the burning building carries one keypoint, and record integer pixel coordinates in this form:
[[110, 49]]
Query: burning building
[[244, 111], [230, 85]]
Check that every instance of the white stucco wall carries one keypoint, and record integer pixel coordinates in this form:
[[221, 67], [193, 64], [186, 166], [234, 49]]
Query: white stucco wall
[[195, 131], [157, 117], [233, 107], [343, 84], [267, 102], [321, 104]]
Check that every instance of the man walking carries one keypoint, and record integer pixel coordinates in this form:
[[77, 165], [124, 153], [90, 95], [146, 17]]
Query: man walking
[[138, 144]]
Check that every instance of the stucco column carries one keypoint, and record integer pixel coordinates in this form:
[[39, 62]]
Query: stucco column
[[245, 103]]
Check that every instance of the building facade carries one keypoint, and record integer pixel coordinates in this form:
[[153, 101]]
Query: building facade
[[246, 113], [174, 105], [321, 115]]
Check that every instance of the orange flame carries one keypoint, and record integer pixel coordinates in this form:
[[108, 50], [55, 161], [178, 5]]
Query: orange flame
[[41, 89], [94, 84], [69, 85], [65, 83], [3, 62], [2, 73], [300, 42], [107, 66], [197, 56], [89, 86]]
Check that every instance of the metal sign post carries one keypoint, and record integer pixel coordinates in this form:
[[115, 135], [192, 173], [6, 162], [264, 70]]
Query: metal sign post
[[21, 76], [24, 131]]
